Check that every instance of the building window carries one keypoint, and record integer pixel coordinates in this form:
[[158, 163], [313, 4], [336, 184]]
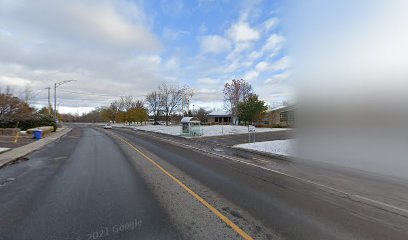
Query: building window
[[284, 116], [291, 116], [287, 117]]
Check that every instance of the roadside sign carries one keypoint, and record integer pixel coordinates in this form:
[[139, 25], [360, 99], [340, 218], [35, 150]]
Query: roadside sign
[[251, 131]]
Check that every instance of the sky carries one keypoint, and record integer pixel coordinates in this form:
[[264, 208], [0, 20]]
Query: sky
[[128, 47]]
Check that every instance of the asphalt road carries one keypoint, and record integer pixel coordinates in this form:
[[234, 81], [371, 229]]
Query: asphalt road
[[102, 184]]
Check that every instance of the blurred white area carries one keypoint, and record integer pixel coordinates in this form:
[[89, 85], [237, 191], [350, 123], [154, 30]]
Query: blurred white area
[[351, 71]]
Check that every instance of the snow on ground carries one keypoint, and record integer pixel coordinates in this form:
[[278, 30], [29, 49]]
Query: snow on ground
[[281, 147], [214, 130], [3, 149]]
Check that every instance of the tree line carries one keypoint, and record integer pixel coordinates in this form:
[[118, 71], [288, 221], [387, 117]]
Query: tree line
[[125, 109], [165, 102]]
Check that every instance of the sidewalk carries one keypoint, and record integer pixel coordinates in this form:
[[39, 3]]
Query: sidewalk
[[19, 152]]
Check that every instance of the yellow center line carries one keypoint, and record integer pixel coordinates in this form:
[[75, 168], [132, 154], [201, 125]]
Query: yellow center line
[[195, 195]]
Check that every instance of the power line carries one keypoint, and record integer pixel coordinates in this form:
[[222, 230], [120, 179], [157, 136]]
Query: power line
[[96, 94], [73, 99], [81, 93]]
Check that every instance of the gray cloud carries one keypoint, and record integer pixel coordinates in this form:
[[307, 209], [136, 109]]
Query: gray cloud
[[105, 45]]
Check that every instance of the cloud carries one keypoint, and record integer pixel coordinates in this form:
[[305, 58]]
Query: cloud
[[14, 81], [105, 45], [231, 67], [282, 64], [255, 55], [270, 24], [251, 75], [214, 44], [172, 34], [242, 32], [237, 53], [103, 24], [277, 78], [208, 81], [207, 95], [262, 66], [274, 43], [275, 93], [98, 23], [173, 63], [250, 9], [112, 48]]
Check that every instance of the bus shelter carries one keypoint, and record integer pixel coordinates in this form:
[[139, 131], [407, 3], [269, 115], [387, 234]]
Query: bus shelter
[[190, 126]]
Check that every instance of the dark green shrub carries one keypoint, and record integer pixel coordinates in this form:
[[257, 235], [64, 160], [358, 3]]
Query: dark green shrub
[[33, 121]]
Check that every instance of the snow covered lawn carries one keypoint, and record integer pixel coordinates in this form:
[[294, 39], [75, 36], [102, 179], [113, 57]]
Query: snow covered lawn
[[281, 147], [215, 130], [3, 149]]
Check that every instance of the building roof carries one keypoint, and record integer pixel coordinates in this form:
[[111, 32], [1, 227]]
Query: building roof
[[279, 107], [189, 119], [219, 114], [282, 108]]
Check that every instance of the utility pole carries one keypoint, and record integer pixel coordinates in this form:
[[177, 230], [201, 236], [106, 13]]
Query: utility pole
[[55, 101], [49, 100], [55, 95]]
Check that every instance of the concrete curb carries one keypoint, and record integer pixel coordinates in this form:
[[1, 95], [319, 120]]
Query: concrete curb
[[14, 154], [272, 155]]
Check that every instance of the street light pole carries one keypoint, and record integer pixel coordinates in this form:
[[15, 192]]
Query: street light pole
[[55, 95], [55, 101], [49, 100]]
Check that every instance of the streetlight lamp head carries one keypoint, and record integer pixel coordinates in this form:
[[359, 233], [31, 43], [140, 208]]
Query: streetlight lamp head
[[66, 81]]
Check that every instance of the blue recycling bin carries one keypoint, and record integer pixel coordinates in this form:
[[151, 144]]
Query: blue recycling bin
[[38, 134]]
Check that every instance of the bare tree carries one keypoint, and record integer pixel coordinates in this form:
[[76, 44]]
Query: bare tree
[[166, 100], [115, 108], [235, 92], [201, 114], [126, 103], [27, 95], [185, 102], [171, 98], [153, 100], [138, 104], [12, 107]]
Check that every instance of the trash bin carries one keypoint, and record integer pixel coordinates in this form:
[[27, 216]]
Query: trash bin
[[38, 134]]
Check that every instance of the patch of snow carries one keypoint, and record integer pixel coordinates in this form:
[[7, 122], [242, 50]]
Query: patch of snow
[[281, 147], [219, 113], [3, 149], [214, 130], [277, 108]]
